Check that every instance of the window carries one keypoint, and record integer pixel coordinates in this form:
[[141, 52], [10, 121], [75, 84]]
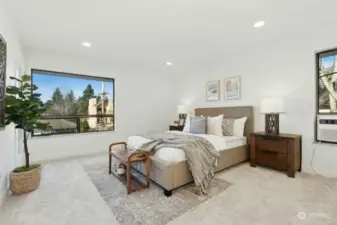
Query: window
[[326, 82], [75, 103]]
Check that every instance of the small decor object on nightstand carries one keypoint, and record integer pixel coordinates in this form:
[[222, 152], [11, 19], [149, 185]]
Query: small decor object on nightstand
[[182, 112], [175, 127], [278, 151], [272, 107]]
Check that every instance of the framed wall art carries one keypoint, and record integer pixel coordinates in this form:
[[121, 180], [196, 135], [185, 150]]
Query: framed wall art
[[213, 91], [3, 58], [232, 88]]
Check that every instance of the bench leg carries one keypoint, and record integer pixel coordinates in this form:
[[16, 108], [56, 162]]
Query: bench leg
[[128, 183], [148, 165], [110, 164], [167, 193]]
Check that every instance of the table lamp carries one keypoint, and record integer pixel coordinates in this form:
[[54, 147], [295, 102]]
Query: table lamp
[[272, 107], [182, 111]]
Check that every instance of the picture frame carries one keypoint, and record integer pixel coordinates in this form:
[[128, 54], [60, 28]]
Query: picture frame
[[213, 90], [3, 63], [232, 88]]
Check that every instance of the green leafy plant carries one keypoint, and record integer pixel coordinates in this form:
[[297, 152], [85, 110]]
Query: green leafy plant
[[24, 108]]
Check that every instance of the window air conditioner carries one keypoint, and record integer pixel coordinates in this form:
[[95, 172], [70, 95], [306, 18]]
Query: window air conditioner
[[327, 128]]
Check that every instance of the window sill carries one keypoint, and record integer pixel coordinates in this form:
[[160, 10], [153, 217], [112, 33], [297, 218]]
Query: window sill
[[71, 134]]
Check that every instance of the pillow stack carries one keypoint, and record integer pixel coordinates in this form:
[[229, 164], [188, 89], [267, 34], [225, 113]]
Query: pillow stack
[[217, 125], [214, 125]]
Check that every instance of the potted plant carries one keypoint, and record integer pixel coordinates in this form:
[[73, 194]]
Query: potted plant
[[24, 108]]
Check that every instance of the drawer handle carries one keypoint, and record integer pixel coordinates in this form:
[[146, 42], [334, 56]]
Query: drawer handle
[[272, 139], [269, 152]]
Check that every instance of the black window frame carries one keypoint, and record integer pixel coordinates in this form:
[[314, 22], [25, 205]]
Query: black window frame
[[77, 117], [329, 52], [318, 55]]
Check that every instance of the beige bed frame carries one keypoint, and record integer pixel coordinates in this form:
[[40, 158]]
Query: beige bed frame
[[171, 176]]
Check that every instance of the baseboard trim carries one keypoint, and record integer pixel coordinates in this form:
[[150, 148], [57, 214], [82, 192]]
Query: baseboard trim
[[324, 173], [67, 158], [3, 190]]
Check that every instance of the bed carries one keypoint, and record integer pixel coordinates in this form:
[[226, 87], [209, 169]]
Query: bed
[[171, 171]]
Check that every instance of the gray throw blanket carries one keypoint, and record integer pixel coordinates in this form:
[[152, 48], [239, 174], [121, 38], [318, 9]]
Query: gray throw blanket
[[201, 155]]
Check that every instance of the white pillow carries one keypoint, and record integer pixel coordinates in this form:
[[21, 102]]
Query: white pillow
[[214, 125], [239, 127], [187, 124]]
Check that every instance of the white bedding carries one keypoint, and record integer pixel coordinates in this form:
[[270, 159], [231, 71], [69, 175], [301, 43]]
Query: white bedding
[[176, 155]]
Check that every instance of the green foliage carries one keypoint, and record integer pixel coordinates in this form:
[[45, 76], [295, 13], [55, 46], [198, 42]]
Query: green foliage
[[57, 96], [82, 107], [70, 103], [83, 102], [88, 93], [23, 108], [58, 103], [48, 104], [84, 126], [70, 97]]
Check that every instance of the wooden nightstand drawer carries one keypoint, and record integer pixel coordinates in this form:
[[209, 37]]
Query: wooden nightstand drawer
[[278, 151], [271, 159], [271, 144]]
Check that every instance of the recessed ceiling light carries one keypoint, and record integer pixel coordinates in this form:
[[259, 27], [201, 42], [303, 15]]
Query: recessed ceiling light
[[169, 63], [86, 44], [259, 24]]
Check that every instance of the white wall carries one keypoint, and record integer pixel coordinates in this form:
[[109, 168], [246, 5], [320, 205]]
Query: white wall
[[143, 103], [283, 68], [9, 156]]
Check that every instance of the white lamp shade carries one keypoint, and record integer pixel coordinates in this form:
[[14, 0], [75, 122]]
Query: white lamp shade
[[272, 105], [181, 109]]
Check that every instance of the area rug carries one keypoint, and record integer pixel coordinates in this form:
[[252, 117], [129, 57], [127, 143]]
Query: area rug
[[148, 206]]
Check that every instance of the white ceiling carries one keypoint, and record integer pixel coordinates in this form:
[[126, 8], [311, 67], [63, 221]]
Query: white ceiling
[[146, 33]]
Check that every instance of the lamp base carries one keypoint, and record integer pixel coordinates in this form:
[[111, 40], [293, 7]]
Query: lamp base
[[272, 123], [182, 119]]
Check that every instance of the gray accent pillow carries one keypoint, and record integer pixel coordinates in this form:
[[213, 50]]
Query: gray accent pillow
[[228, 126], [198, 125]]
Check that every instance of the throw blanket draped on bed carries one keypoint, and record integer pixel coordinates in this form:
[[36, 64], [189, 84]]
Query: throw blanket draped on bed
[[201, 155]]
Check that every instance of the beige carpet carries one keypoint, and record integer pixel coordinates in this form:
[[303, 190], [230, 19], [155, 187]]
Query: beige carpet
[[261, 196], [66, 196], [149, 206], [257, 196]]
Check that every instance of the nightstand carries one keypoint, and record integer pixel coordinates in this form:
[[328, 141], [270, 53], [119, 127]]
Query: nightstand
[[278, 151], [175, 127]]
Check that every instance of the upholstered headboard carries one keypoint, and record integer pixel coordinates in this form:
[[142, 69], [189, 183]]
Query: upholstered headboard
[[231, 112]]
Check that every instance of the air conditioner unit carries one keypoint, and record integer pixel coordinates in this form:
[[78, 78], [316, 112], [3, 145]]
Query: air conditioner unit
[[327, 128]]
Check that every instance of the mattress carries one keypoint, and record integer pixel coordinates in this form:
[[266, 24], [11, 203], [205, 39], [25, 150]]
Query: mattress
[[173, 155]]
